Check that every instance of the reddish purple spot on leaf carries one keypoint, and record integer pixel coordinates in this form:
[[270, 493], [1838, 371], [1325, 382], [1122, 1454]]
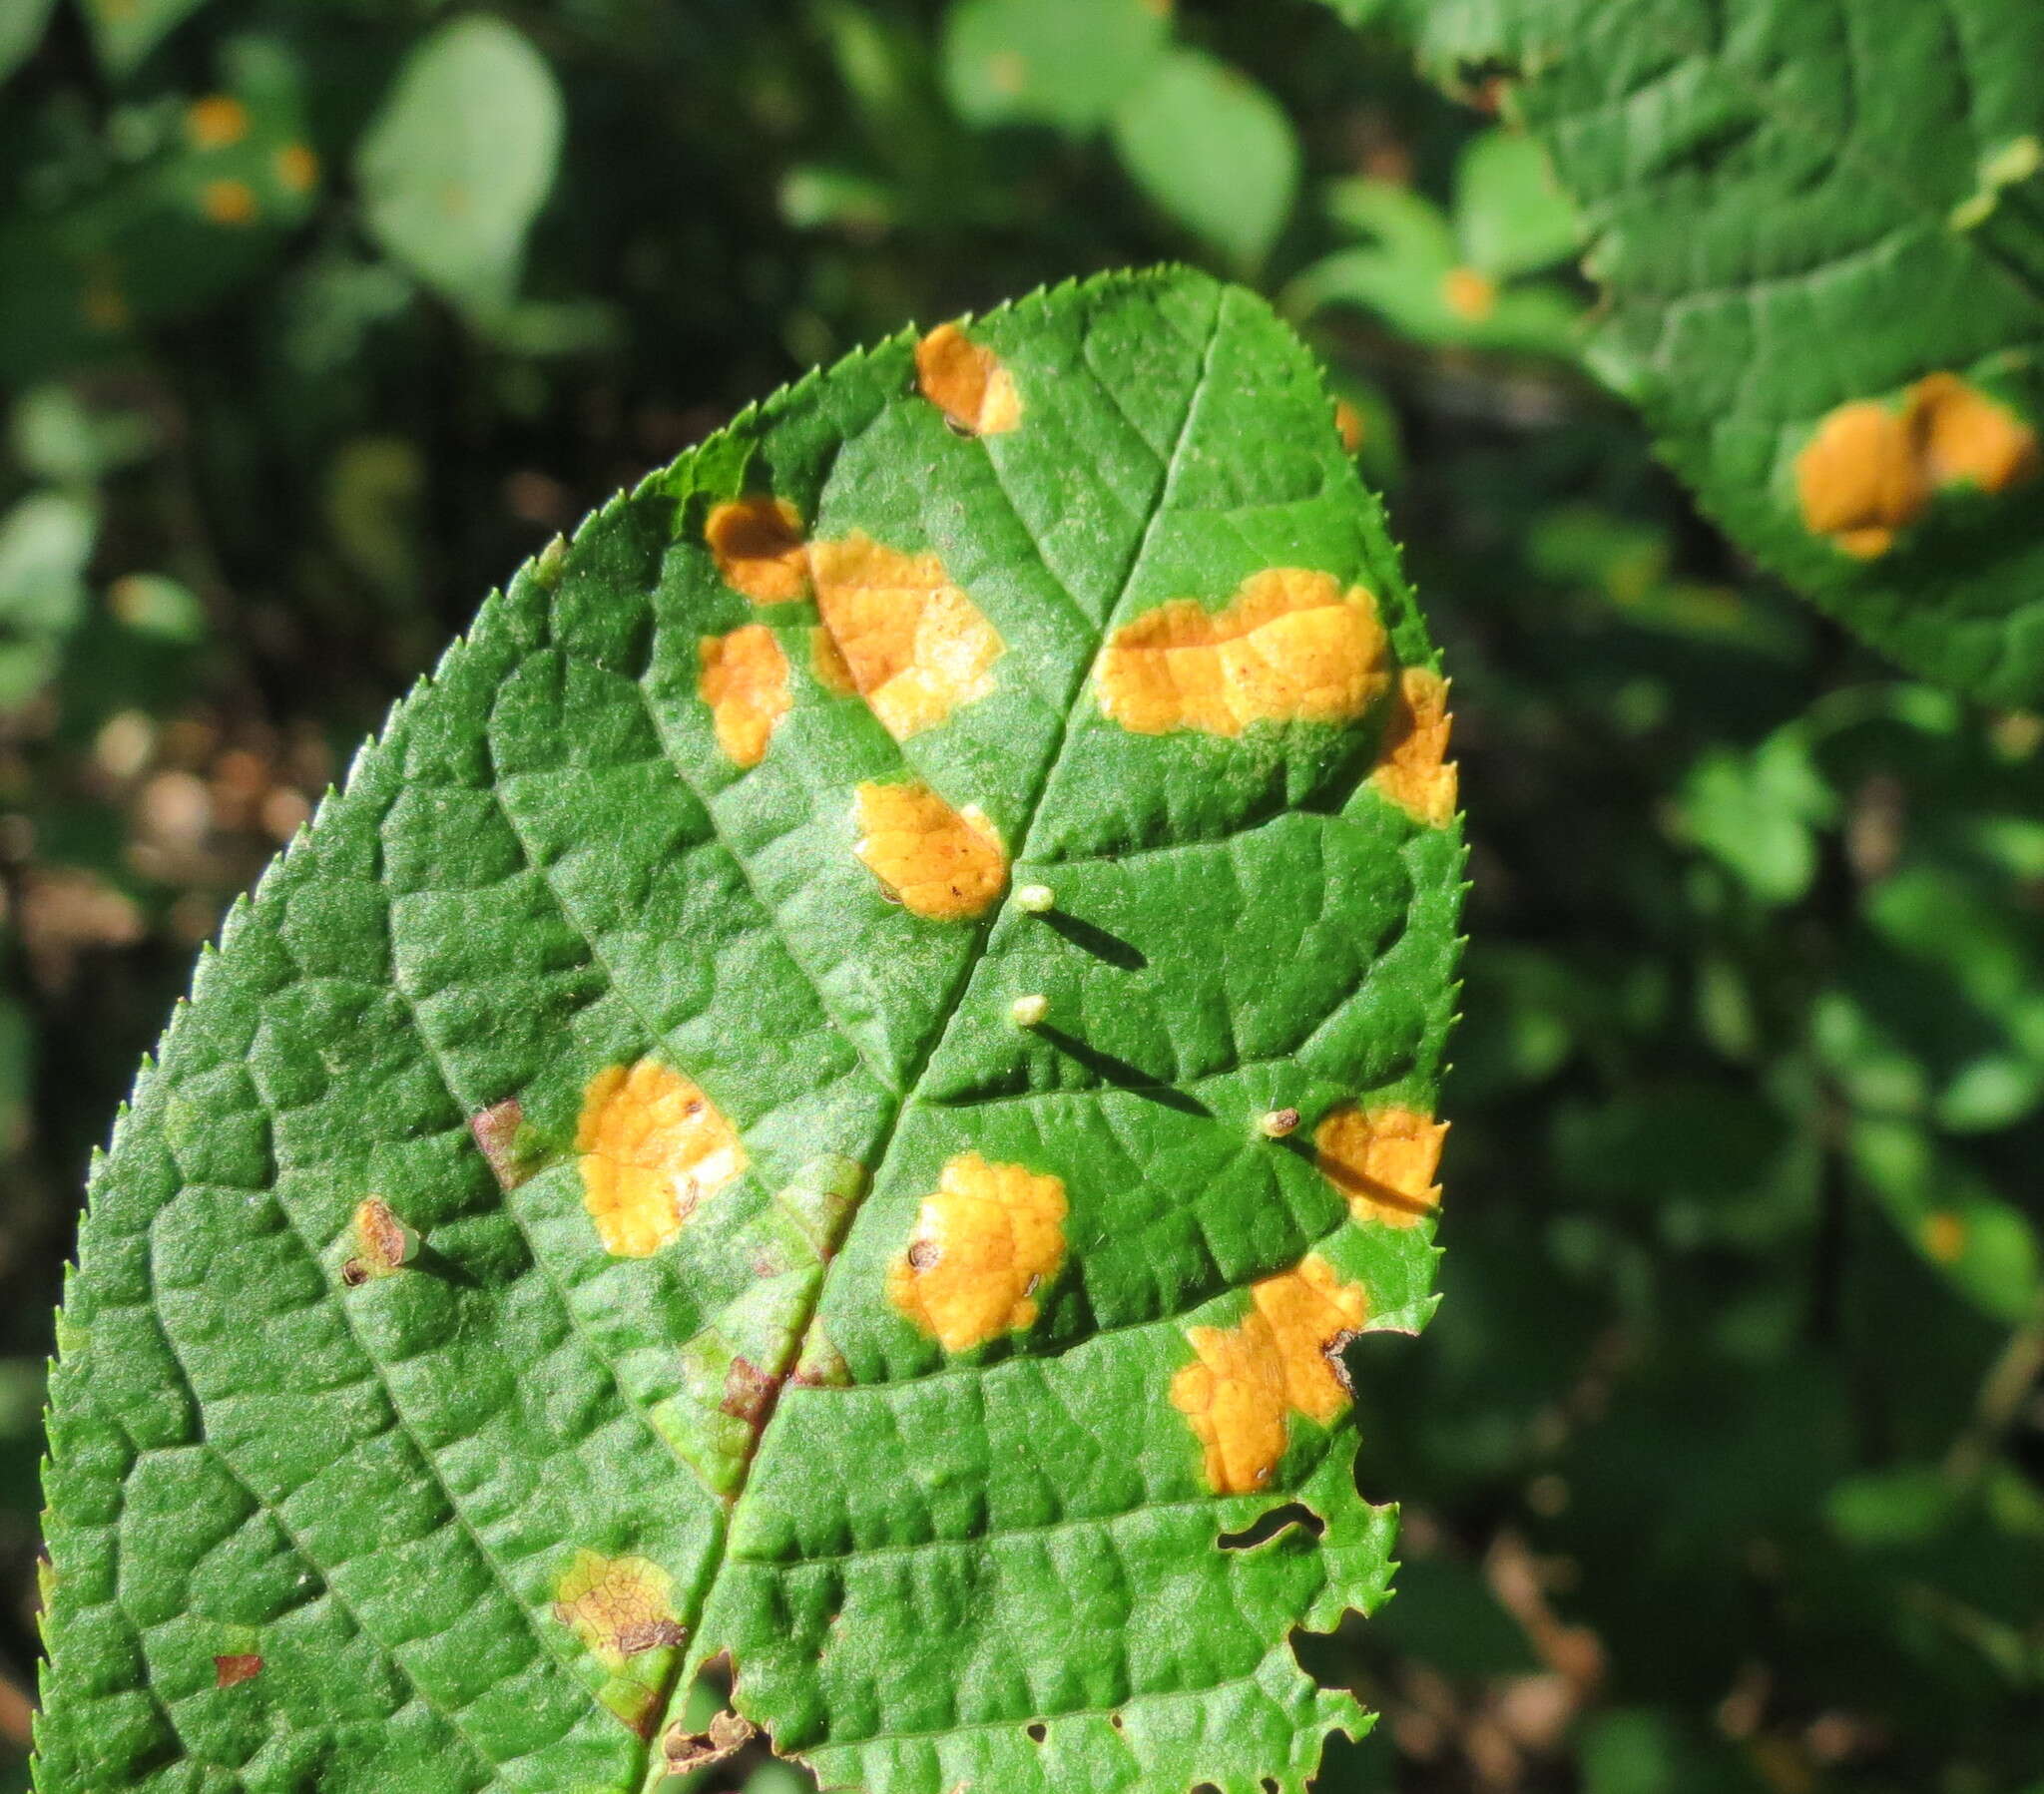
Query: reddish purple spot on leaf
[[496, 1133], [227, 1672]]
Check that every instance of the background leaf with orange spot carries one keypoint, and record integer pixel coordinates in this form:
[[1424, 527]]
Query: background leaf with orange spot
[[794, 1245], [1784, 228]]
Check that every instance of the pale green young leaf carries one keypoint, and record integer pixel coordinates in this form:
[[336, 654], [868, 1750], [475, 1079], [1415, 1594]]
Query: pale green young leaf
[[1214, 151], [459, 161]]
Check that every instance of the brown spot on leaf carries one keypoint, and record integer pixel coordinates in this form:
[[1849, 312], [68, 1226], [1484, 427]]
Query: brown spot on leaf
[[617, 1607], [231, 1671], [967, 382], [748, 1392], [653, 1146], [981, 1247], [1292, 647], [1249, 1378], [759, 551], [496, 1135], [1383, 1160], [944, 864], [685, 1750], [911, 643], [1414, 770], [744, 680], [385, 1246]]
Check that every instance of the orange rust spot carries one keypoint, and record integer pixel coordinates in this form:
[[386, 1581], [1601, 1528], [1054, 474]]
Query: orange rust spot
[[981, 1248], [1292, 647], [966, 381], [914, 646], [1284, 1358], [1348, 422], [1858, 479], [945, 864], [1382, 1159], [1414, 771], [228, 202], [1944, 1236], [744, 680], [216, 122], [1965, 436], [1470, 296], [298, 168], [653, 1146], [617, 1607], [231, 1671], [1870, 471], [759, 549]]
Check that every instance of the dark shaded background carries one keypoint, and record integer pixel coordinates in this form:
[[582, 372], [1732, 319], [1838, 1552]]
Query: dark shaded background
[[1724, 1463]]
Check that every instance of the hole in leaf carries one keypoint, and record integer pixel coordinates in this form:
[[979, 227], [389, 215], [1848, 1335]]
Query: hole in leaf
[[1267, 1527], [1039, 1731]]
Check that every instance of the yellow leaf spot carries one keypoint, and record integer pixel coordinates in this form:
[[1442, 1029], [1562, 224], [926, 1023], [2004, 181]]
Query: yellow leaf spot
[[1383, 1160], [1291, 648], [744, 683], [981, 1248], [617, 1607], [216, 122], [1966, 437], [1944, 1236], [914, 646], [1007, 72], [1414, 771], [945, 864], [297, 169], [759, 549], [228, 202], [1283, 1359], [1470, 296], [1858, 479], [653, 1146], [1348, 421], [1869, 471], [966, 383]]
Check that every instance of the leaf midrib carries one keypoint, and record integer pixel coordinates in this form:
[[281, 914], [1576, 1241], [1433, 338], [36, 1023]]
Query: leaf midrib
[[949, 1010]]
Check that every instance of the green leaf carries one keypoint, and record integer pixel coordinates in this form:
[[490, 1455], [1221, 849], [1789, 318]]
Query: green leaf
[[1062, 63], [45, 542], [208, 209], [1756, 813], [1511, 216], [753, 1125], [457, 164], [1786, 225], [1212, 149], [1423, 283], [123, 32], [21, 24]]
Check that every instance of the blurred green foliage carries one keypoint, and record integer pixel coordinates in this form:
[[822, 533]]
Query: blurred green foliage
[[1723, 1464]]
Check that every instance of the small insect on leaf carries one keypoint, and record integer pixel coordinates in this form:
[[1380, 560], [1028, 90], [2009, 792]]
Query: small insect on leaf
[[829, 1095]]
